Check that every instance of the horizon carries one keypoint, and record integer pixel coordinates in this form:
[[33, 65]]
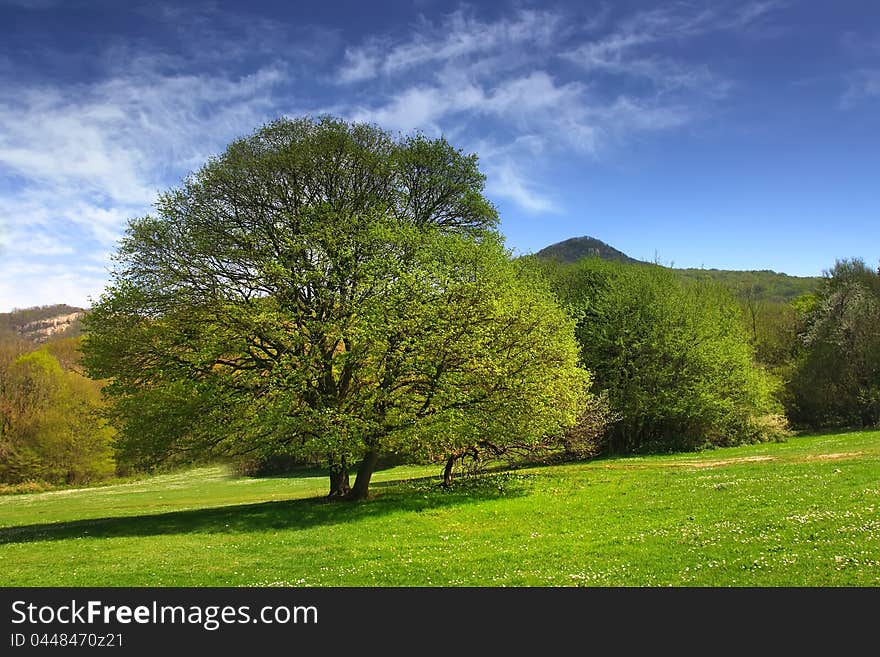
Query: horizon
[[705, 135], [771, 271]]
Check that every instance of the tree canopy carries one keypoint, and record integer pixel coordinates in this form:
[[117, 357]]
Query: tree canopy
[[51, 429], [324, 288], [672, 355]]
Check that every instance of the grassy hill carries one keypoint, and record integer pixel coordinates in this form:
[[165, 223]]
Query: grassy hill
[[801, 513], [761, 285]]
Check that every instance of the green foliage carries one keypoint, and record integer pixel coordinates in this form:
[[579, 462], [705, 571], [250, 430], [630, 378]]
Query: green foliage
[[836, 380], [66, 350], [773, 329], [52, 430], [324, 291], [759, 286], [672, 356]]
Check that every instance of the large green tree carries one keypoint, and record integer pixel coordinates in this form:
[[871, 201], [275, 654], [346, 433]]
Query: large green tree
[[322, 288]]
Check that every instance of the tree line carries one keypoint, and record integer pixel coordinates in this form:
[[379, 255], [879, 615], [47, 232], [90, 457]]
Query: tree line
[[324, 291]]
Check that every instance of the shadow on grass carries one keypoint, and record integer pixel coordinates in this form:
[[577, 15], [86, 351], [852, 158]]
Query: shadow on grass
[[416, 495], [309, 471]]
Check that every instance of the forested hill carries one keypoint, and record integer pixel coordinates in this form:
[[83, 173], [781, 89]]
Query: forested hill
[[763, 285], [41, 323], [577, 248]]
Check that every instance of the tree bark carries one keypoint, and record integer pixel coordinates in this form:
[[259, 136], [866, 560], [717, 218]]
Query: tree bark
[[447, 471], [339, 486], [361, 488]]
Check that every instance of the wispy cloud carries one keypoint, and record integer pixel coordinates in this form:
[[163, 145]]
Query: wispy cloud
[[25, 284], [629, 49], [523, 103], [459, 36], [78, 158], [111, 143], [507, 181], [493, 82], [862, 82], [861, 86], [79, 162]]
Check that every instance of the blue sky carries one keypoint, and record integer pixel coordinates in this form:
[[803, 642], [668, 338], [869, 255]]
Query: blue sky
[[734, 135]]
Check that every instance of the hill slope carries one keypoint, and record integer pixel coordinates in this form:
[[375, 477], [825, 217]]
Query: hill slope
[[762, 285], [42, 323], [577, 248]]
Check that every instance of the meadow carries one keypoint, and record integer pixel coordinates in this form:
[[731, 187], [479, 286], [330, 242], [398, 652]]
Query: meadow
[[805, 512]]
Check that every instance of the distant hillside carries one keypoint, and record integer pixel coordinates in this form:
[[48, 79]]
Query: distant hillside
[[577, 248], [763, 285], [41, 323]]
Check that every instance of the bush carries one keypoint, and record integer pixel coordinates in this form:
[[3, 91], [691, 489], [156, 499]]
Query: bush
[[588, 436], [268, 466], [24, 488]]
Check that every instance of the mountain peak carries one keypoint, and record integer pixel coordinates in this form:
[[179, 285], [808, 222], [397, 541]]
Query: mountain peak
[[576, 248]]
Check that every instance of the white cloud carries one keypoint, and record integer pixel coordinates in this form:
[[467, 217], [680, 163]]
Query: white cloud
[[360, 64], [531, 104], [862, 82], [25, 284], [505, 180], [416, 108], [84, 160], [534, 93], [863, 85], [111, 140], [683, 20], [458, 36], [626, 115], [490, 82], [627, 50], [39, 244]]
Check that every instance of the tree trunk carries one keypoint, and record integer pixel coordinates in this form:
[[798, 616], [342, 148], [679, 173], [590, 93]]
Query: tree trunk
[[447, 471], [339, 486], [365, 472]]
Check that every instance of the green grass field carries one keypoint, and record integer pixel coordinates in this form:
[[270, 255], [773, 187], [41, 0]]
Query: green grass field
[[801, 513]]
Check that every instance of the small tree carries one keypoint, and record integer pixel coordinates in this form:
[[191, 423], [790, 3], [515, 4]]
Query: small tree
[[837, 376], [321, 288], [52, 429]]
